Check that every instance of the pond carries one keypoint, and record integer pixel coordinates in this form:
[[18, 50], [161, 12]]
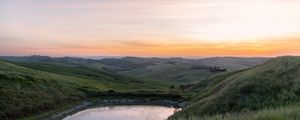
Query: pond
[[124, 112]]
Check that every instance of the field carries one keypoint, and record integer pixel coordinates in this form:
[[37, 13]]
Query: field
[[289, 112], [176, 71], [256, 90], [25, 91], [239, 88]]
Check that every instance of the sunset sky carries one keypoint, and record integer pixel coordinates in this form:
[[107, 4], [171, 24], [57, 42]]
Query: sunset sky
[[150, 27]]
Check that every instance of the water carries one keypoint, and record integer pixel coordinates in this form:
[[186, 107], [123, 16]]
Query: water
[[128, 112]]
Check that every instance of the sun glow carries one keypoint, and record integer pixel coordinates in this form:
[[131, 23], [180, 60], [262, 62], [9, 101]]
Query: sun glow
[[243, 20], [150, 27]]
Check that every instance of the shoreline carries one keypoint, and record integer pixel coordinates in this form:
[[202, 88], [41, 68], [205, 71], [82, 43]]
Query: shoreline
[[111, 102]]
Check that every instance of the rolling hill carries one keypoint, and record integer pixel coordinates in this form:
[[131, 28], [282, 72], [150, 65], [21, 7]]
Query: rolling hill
[[258, 93], [233, 63], [41, 83], [167, 70], [26, 91], [179, 70]]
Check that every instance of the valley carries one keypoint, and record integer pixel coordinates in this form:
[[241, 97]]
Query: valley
[[256, 87]]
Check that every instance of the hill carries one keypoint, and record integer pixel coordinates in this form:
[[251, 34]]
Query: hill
[[267, 86], [25, 91], [289, 112], [178, 70], [233, 63], [168, 70]]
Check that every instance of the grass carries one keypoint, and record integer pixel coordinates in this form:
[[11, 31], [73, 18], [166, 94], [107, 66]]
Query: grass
[[290, 112], [33, 87], [26, 91], [93, 73], [272, 84], [163, 70]]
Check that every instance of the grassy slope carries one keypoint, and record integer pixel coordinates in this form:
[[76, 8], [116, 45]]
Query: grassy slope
[[155, 69], [272, 84], [93, 73], [172, 73], [79, 67], [168, 70], [26, 91], [233, 63], [289, 112], [179, 71]]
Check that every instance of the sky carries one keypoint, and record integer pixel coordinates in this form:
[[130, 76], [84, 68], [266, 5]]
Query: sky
[[150, 27]]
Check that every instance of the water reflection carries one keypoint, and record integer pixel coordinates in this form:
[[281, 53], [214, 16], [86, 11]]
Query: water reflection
[[129, 112]]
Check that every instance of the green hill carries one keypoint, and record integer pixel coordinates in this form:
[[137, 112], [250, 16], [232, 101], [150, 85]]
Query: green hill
[[167, 70], [289, 112], [180, 70], [267, 86], [233, 63], [25, 91], [35, 84]]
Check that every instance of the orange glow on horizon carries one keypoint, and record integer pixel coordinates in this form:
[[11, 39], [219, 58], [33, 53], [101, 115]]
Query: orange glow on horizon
[[202, 49], [150, 27]]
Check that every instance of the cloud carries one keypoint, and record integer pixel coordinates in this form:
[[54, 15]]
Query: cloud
[[179, 26], [138, 43]]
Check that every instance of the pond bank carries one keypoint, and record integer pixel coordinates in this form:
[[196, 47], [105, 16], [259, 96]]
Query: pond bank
[[124, 101]]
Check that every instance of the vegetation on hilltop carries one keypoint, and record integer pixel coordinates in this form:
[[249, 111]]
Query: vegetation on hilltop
[[275, 83], [170, 70], [41, 83], [289, 112], [25, 91]]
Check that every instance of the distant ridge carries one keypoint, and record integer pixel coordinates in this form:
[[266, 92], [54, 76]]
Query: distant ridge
[[174, 70]]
